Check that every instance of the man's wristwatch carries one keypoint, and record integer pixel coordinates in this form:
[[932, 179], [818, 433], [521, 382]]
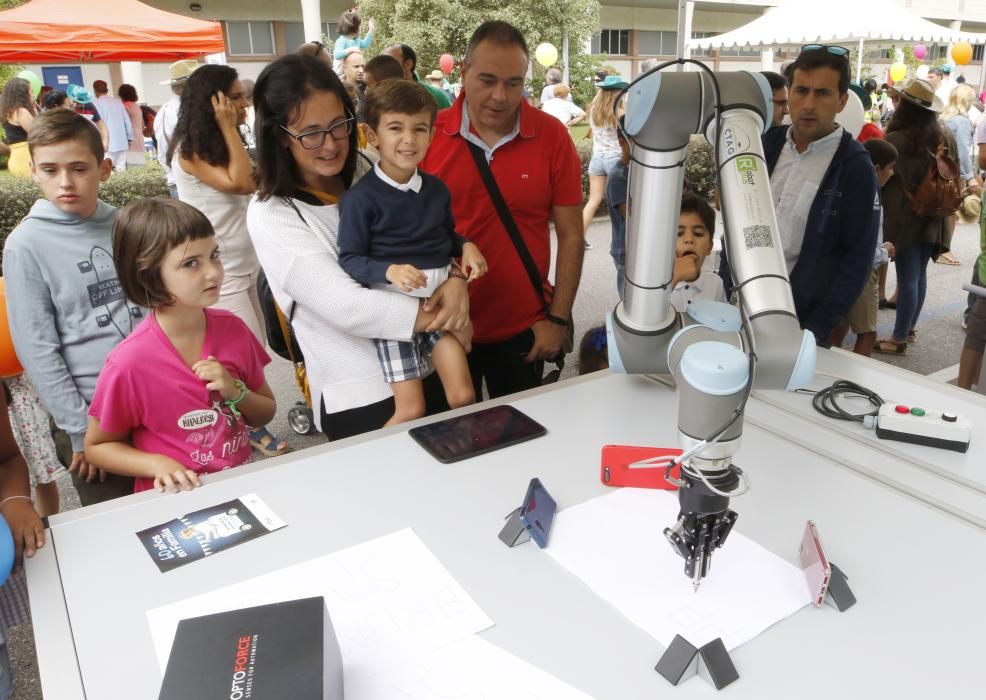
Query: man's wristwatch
[[459, 274], [557, 320]]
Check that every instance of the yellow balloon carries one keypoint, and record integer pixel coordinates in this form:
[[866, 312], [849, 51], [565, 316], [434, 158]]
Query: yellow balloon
[[546, 54], [962, 53], [898, 72]]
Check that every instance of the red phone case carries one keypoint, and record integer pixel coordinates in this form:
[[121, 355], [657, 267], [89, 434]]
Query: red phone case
[[615, 467]]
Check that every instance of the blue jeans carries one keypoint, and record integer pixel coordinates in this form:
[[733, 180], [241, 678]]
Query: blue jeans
[[912, 285]]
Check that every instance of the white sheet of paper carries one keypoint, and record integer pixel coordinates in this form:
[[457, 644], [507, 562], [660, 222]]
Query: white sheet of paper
[[470, 668], [616, 545], [384, 596]]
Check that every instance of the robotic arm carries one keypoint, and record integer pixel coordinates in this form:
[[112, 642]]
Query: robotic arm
[[716, 353]]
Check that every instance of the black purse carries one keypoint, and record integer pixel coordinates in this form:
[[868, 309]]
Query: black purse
[[507, 219]]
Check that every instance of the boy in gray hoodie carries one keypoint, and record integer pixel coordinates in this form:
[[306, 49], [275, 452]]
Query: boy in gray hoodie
[[64, 302]]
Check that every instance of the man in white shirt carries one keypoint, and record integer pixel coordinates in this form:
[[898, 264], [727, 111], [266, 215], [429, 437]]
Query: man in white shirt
[[825, 194], [119, 130], [939, 79], [167, 117]]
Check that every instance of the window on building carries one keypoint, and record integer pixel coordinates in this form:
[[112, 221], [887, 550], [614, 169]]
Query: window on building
[[294, 34], [877, 54], [977, 52], [250, 38], [615, 42], [657, 43], [745, 51], [702, 35]]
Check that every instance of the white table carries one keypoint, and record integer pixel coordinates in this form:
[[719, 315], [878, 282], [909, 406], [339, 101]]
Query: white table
[[917, 571]]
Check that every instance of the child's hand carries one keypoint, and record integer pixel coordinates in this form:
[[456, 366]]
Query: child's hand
[[686, 269], [407, 277], [227, 115], [371, 26], [26, 528], [173, 477], [473, 262], [217, 378], [891, 250]]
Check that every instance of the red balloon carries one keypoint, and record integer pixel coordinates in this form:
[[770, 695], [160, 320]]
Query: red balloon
[[10, 366], [446, 63]]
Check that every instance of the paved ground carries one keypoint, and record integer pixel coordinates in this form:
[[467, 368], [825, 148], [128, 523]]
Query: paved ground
[[936, 352]]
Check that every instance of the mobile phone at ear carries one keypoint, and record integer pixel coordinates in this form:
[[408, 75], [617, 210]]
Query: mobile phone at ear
[[815, 565]]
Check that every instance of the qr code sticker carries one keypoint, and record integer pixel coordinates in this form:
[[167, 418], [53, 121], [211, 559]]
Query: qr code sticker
[[757, 236]]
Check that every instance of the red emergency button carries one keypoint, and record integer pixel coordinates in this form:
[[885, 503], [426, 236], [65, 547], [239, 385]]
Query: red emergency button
[[900, 408]]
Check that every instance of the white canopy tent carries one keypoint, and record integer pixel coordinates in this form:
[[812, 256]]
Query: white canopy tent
[[798, 22]]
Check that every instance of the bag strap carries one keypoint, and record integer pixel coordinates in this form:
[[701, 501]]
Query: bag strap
[[280, 313], [507, 219]]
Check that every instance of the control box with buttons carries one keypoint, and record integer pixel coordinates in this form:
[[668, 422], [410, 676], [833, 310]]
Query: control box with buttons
[[923, 426]]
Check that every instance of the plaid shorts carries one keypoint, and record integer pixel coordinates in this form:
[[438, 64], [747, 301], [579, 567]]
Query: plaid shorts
[[402, 360]]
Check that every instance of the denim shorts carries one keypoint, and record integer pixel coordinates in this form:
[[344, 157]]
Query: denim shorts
[[603, 163]]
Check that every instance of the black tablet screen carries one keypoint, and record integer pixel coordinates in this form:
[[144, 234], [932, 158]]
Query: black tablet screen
[[473, 434]]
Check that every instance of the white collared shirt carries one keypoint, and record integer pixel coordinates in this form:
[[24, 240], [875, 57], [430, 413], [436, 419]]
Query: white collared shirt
[[708, 287], [412, 185], [473, 138], [795, 182]]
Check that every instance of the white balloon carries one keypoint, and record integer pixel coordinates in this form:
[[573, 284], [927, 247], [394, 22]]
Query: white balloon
[[851, 116], [922, 72]]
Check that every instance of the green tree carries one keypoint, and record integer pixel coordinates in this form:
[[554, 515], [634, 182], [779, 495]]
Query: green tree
[[434, 27]]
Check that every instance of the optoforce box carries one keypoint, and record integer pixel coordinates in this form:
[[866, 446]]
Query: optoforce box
[[270, 652]]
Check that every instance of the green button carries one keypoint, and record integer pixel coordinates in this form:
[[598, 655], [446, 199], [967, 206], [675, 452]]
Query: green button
[[917, 412]]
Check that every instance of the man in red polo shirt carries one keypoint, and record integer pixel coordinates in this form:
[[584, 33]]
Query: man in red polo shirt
[[537, 170]]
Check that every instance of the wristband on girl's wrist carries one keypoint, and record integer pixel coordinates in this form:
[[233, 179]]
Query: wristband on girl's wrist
[[232, 403], [458, 274], [15, 498]]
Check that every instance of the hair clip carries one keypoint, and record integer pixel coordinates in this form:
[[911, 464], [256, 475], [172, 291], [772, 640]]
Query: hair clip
[[597, 338]]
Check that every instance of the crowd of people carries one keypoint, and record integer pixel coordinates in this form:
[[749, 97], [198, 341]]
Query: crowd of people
[[404, 233]]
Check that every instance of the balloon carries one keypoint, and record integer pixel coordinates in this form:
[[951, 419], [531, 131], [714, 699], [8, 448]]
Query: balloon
[[6, 551], [546, 54], [920, 51], [898, 72], [33, 79], [446, 63], [851, 117], [962, 53], [922, 72], [10, 366]]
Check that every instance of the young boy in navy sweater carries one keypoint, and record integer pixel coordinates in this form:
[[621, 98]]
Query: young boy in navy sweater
[[396, 232]]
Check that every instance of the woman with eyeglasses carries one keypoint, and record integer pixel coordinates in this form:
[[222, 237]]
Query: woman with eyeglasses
[[214, 174], [917, 135], [307, 158]]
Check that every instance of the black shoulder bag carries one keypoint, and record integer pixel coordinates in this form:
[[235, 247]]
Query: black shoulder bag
[[507, 219]]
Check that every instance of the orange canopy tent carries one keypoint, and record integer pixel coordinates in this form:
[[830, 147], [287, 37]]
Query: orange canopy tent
[[68, 31]]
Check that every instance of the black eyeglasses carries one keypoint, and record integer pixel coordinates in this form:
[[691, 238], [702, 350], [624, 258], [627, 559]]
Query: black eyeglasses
[[840, 51], [311, 140]]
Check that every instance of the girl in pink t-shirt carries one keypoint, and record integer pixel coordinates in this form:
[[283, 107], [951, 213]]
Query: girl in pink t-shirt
[[174, 398]]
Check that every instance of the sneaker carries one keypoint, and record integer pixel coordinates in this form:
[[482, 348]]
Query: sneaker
[[588, 246]]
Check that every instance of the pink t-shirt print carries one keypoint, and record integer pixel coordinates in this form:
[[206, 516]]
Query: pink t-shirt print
[[147, 389]]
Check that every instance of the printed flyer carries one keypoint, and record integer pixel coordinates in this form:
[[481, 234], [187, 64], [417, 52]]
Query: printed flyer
[[205, 532]]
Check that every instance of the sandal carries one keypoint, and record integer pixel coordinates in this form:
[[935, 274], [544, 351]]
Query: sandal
[[891, 347], [947, 259], [266, 443], [887, 304]]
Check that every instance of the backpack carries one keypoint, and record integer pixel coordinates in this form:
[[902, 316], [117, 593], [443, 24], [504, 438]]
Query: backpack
[[284, 344], [940, 193]]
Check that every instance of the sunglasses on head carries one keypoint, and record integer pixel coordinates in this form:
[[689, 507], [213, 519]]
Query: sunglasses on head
[[840, 51]]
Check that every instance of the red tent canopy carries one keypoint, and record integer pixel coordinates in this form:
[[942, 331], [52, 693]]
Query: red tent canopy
[[67, 31]]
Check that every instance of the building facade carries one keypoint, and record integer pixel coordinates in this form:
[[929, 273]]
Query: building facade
[[632, 31]]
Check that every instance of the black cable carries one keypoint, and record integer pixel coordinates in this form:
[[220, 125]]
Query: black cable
[[826, 400]]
